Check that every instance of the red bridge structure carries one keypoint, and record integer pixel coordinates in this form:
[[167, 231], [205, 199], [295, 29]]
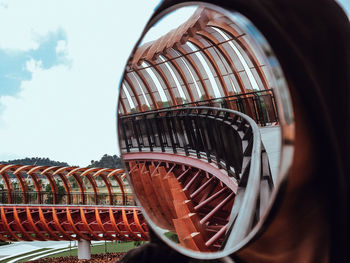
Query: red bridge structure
[[67, 203]]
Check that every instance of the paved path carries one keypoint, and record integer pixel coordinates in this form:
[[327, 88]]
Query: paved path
[[271, 137], [19, 248]]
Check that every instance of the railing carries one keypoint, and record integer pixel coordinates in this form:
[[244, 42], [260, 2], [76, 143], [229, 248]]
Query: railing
[[228, 137], [77, 198], [258, 105], [220, 135], [26, 184]]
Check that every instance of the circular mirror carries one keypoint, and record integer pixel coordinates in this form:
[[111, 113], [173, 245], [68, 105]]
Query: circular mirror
[[205, 128]]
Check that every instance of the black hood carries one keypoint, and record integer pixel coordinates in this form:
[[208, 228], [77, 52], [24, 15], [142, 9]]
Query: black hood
[[311, 40]]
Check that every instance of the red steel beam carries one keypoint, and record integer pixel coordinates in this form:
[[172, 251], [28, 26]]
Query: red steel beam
[[71, 223]]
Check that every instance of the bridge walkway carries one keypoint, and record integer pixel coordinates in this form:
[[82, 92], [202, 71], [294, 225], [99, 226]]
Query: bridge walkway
[[271, 137]]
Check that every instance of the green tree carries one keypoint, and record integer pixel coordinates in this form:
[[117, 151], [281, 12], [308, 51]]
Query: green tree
[[107, 161]]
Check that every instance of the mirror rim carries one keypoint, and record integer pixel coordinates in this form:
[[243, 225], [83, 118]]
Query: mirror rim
[[287, 136]]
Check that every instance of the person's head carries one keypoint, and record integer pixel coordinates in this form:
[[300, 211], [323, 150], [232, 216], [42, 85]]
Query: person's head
[[311, 42]]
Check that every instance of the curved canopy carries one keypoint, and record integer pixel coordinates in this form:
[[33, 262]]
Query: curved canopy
[[208, 56]]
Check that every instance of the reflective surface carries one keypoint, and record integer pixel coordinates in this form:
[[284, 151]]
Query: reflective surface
[[197, 93]]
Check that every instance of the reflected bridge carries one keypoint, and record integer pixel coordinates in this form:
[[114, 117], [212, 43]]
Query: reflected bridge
[[191, 105]]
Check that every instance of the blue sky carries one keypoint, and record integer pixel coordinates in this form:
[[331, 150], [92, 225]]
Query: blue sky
[[346, 5], [13, 63], [60, 65]]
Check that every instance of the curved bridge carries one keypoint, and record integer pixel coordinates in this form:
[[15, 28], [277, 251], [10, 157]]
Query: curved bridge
[[190, 166], [67, 203]]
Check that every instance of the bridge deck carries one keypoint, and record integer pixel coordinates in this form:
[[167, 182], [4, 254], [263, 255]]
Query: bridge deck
[[271, 137]]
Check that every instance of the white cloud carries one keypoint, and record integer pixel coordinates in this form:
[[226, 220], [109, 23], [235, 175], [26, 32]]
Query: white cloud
[[67, 112], [33, 65], [61, 47]]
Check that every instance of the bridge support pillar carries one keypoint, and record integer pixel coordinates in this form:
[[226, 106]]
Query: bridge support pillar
[[84, 249]]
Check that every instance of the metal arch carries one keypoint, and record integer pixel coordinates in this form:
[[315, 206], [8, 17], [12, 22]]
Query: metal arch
[[21, 168], [65, 181], [120, 183], [46, 226], [127, 226], [100, 224], [140, 90], [2, 237], [7, 226], [6, 167], [109, 188], [188, 58], [148, 88], [165, 80], [212, 61], [224, 26], [115, 226], [106, 181], [58, 224], [20, 226], [138, 224], [20, 179], [93, 184], [92, 181], [49, 175], [144, 75], [8, 186], [123, 105], [233, 33], [34, 179], [226, 56], [182, 76], [79, 181], [36, 168], [86, 224], [169, 73], [7, 180], [34, 227], [137, 98], [90, 170], [72, 224], [24, 186]]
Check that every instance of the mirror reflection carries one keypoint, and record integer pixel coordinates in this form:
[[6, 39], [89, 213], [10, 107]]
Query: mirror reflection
[[199, 129]]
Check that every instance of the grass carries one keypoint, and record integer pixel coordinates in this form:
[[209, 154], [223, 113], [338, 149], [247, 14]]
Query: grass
[[111, 247]]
